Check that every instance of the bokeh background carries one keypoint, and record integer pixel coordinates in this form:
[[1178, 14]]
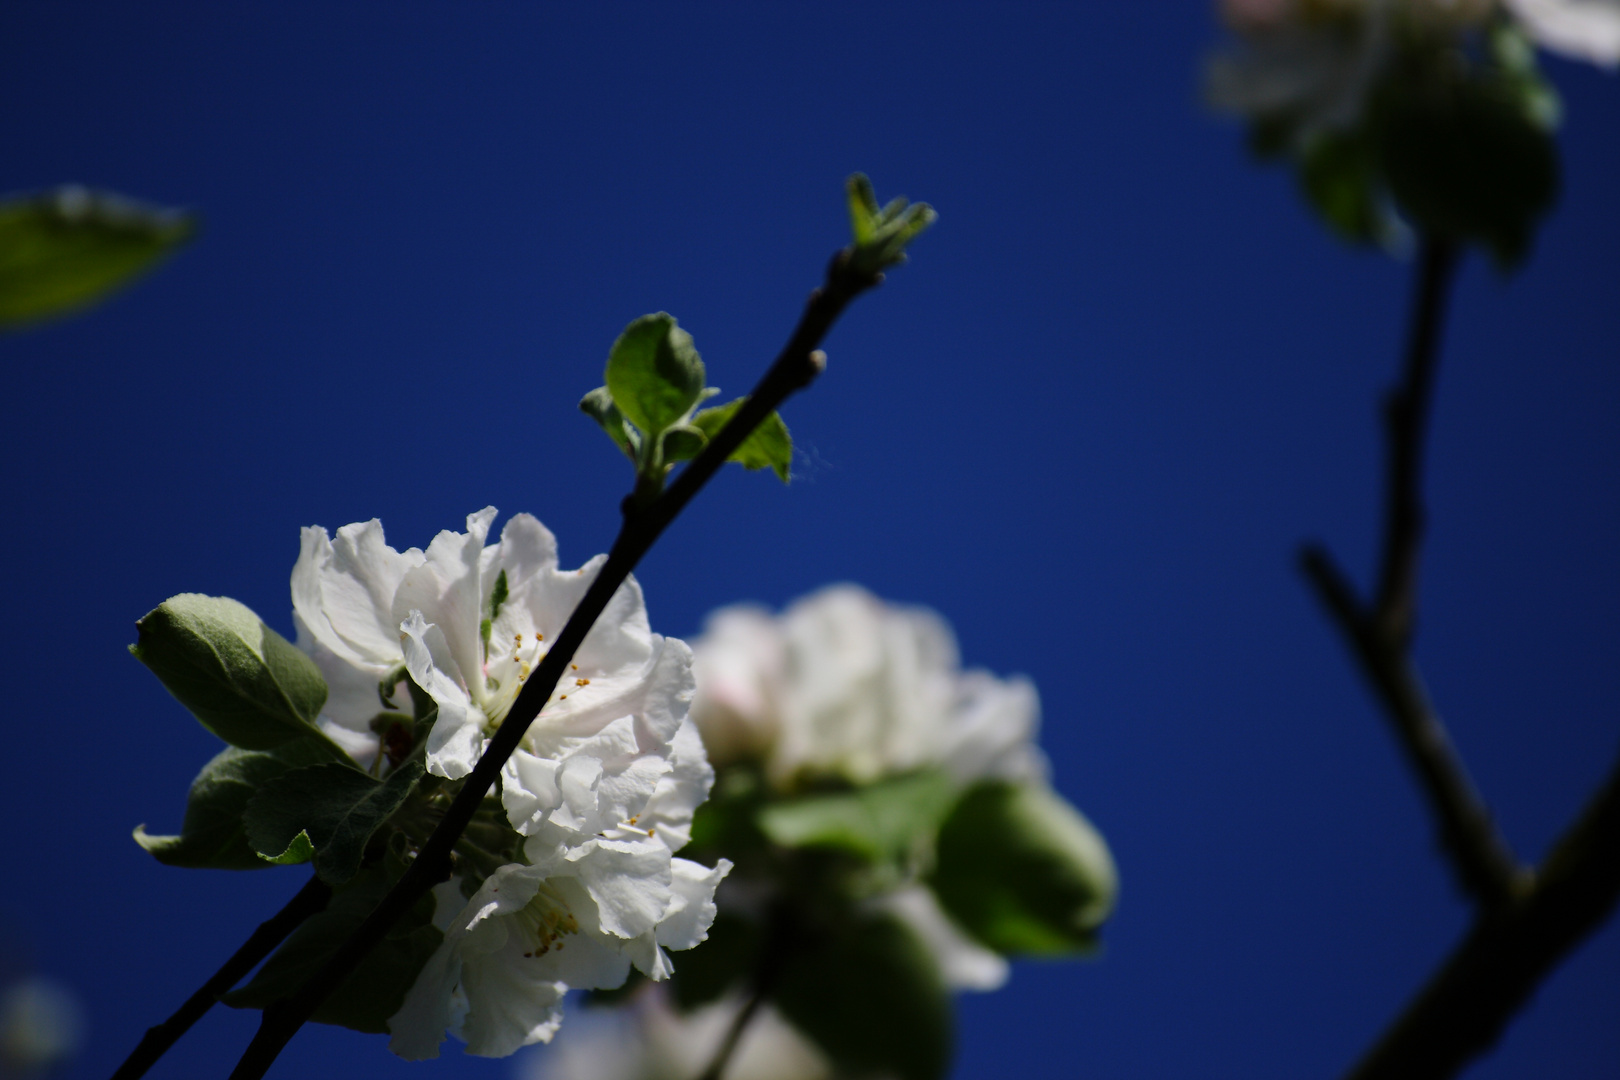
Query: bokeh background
[[1089, 423]]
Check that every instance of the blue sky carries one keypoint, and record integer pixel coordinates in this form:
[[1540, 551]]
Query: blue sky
[[1123, 377]]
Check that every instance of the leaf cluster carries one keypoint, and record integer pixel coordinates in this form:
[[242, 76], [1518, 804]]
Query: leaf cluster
[[653, 384], [1460, 146], [1013, 865], [283, 793], [882, 233]]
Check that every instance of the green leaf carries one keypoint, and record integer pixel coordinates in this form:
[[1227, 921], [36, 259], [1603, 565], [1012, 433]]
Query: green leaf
[[598, 405], [683, 443], [212, 834], [725, 959], [1339, 177], [654, 373], [870, 995], [1021, 870], [240, 679], [769, 446], [889, 819], [377, 987], [327, 811], [69, 248], [1466, 161]]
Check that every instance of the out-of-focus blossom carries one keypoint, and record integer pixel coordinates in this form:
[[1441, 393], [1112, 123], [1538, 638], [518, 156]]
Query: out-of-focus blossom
[[844, 684], [648, 1040], [41, 1026]]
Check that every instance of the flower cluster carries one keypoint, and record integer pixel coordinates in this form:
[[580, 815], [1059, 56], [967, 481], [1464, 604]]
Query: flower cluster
[[602, 789], [888, 812]]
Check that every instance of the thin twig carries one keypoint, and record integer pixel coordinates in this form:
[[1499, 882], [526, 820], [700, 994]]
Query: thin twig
[[1469, 1002], [309, 900], [1407, 420], [1484, 863], [734, 1034], [795, 367]]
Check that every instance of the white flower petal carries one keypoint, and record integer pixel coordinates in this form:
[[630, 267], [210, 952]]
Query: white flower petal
[[628, 880], [457, 738], [1585, 29], [344, 591], [419, 1026], [691, 910], [681, 790], [448, 591]]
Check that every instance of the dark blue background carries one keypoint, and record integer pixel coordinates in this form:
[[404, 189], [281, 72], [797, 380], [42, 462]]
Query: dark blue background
[[1124, 376]]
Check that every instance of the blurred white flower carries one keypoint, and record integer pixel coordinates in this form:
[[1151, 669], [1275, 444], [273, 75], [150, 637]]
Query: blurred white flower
[[572, 918], [842, 683], [648, 1040], [1311, 63], [1583, 29], [41, 1026]]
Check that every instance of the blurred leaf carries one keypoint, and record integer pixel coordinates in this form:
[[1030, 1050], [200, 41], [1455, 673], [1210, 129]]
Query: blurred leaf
[[598, 405], [1021, 870], [333, 807], [724, 960], [69, 248], [1465, 162], [212, 834], [1338, 175], [870, 995], [769, 446], [654, 373], [240, 679], [375, 990], [683, 443], [887, 819]]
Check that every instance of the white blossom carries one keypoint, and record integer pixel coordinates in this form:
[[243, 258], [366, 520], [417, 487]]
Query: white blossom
[[649, 1040], [572, 918], [468, 621], [1583, 29], [843, 683]]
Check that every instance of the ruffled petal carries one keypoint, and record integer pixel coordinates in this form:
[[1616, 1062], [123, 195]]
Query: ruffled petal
[[691, 910], [628, 881], [681, 790], [344, 591], [457, 738], [447, 590]]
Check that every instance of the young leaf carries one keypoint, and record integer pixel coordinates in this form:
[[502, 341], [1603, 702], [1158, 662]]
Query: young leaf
[[1021, 870], [654, 373], [598, 405], [881, 236], [212, 834], [870, 995], [69, 248], [332, 808], [768, 447], [375, 990], [240, 679], [885, 820]]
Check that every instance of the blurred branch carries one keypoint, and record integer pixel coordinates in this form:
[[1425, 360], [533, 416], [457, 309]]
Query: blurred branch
[[1378, 636], [1527, 920], [1492, 974], [1484, 864], [795, 367], [309, 900], [773, 954]]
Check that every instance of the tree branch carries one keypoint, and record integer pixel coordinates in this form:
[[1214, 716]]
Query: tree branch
[[1406, 422], [795, 367], [1484, 864], [1470, 1001], [309, 900]]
